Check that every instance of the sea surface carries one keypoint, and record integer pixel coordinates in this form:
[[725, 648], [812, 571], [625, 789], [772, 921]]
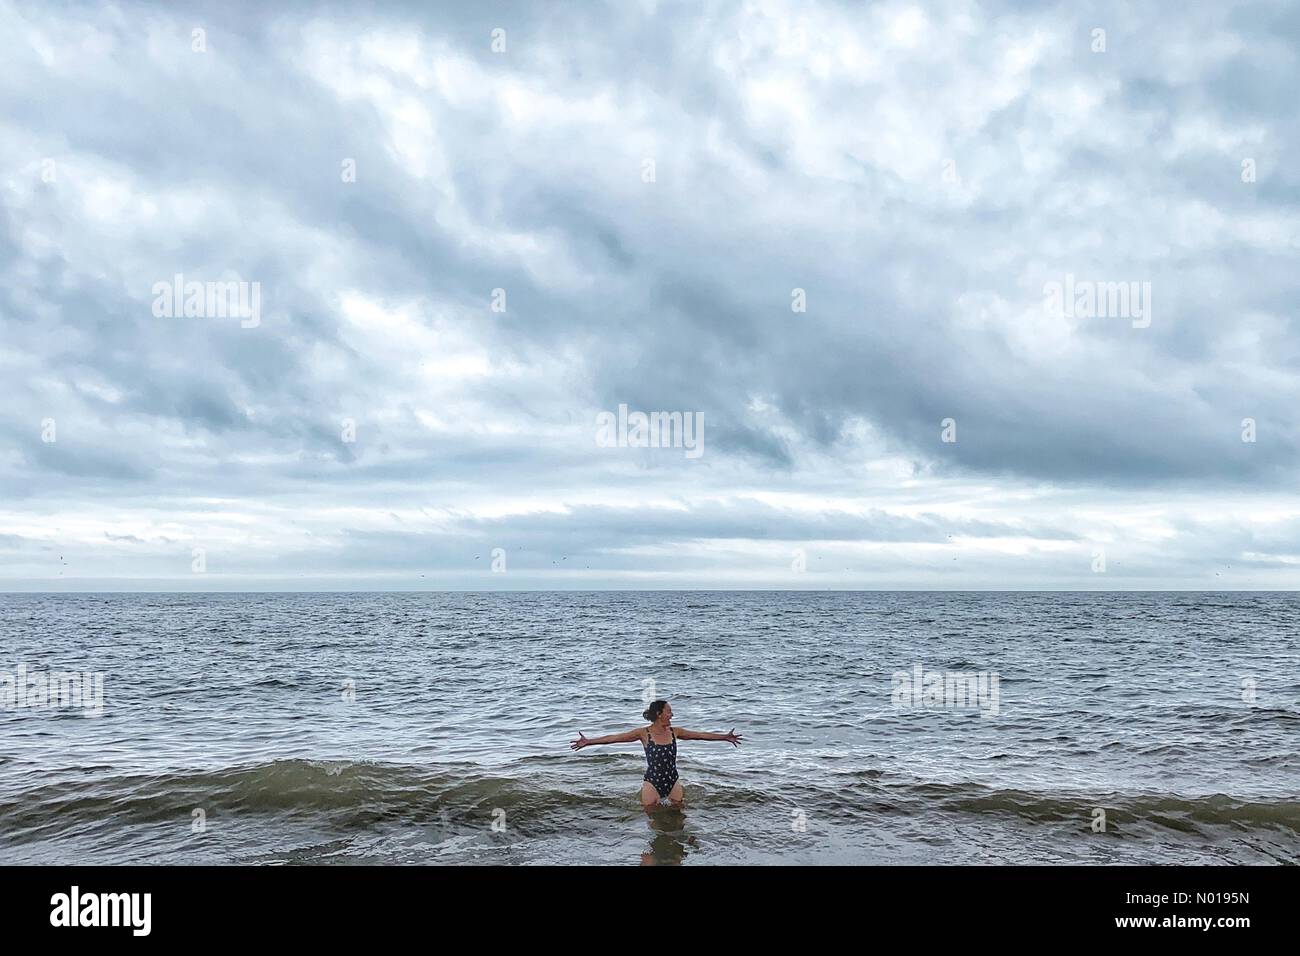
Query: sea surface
[[433, 728]]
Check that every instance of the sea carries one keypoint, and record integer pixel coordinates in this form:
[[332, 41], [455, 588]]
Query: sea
[[433, 728]]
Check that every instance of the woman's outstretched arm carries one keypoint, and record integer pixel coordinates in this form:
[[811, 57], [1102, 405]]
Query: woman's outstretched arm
[[624, 738], [732, 738]]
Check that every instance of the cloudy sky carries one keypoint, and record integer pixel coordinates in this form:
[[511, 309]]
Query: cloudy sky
[[475, 227]]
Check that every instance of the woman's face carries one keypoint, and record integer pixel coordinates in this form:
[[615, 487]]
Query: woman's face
[[666, 715]]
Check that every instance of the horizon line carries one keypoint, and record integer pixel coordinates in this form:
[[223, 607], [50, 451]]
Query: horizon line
[[653, 590]]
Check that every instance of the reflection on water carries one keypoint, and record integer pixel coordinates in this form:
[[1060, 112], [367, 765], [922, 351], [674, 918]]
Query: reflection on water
[[669, 842]]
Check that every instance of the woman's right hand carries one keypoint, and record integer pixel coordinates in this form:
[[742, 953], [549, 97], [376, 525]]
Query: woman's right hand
[[579, 743]]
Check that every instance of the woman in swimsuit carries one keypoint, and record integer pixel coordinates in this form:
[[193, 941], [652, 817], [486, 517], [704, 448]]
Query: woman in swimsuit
[[660, 743]]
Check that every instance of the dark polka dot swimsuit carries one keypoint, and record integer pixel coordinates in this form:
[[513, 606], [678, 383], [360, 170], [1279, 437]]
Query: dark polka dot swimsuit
[[661, 764]]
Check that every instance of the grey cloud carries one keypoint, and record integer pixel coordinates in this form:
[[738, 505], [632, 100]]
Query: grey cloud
[[924, 298]]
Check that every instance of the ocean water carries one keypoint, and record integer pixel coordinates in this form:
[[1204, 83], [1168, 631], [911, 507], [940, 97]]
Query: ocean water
[[433, 728]]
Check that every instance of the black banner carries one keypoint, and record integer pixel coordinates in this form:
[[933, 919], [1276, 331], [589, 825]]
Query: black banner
[[962, 906]]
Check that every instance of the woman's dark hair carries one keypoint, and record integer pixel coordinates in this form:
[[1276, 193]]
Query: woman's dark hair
[[654, 710]]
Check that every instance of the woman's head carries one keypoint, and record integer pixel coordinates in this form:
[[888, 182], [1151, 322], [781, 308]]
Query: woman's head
[[659, 709]]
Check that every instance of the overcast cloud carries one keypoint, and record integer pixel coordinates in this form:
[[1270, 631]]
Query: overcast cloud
[[654, 188]]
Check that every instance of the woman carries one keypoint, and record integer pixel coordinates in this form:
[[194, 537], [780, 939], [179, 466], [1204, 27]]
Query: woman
[[660, 743]]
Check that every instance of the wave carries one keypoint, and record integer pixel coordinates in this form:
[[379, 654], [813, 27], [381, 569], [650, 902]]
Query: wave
[[363, 794], [338, 793], [1142, 810]]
